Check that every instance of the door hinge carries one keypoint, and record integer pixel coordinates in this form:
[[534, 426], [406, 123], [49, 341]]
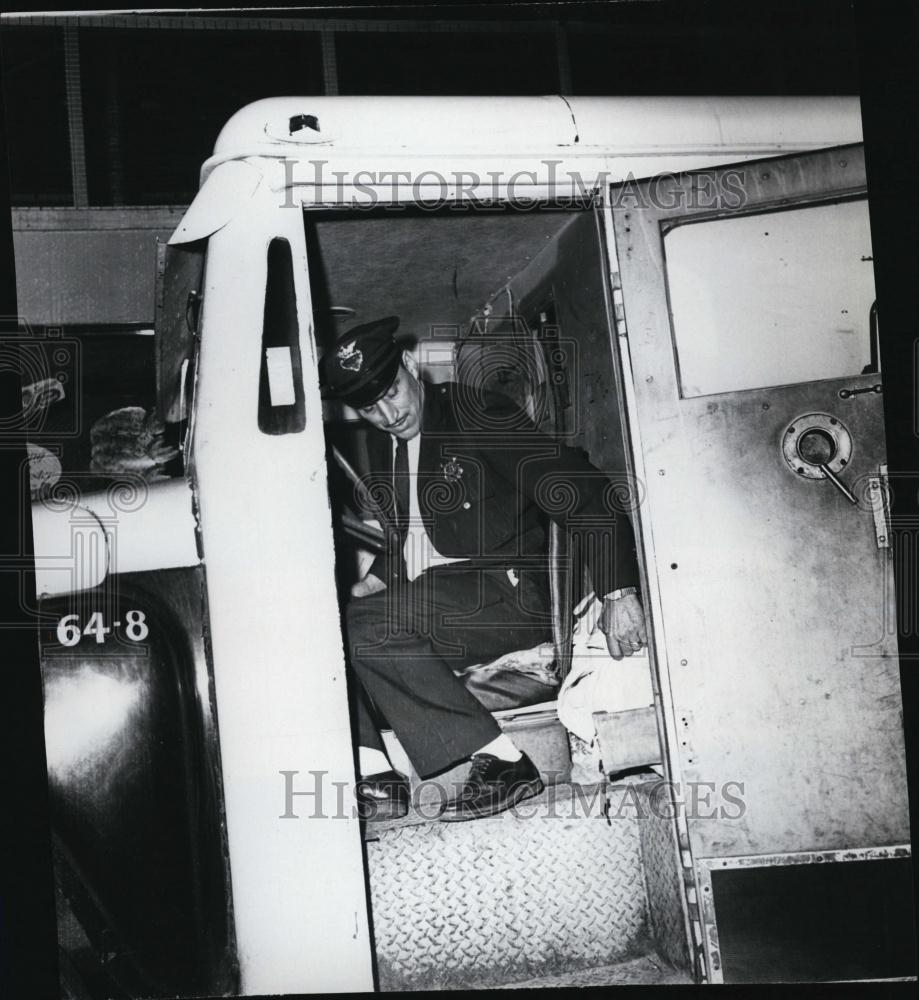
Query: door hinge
[[684, 730], [619, 312]]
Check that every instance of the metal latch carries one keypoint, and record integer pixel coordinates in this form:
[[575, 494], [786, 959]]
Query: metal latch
[[849, 393], [878, 496]]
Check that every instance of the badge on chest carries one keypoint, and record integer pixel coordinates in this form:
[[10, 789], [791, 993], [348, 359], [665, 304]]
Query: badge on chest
[[452, 470]]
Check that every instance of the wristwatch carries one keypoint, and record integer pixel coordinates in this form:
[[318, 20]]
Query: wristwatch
[[621, 592]]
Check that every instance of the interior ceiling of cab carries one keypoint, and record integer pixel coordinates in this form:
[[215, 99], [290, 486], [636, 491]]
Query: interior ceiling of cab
[[431, 270]]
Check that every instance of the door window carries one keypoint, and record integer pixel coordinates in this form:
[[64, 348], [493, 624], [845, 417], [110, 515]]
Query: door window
[[770, 299]]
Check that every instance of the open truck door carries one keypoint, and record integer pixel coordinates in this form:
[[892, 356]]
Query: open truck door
[[745, 312]]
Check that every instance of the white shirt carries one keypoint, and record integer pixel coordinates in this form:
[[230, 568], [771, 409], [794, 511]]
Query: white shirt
[[419, 551]]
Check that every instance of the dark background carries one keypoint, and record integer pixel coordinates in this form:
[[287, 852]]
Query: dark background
[[152, 100]]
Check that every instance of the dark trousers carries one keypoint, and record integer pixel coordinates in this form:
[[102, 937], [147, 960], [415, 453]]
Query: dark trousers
[[406, 641]]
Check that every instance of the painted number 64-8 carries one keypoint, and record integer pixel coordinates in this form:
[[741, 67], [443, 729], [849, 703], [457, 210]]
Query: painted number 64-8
[[69, 632]]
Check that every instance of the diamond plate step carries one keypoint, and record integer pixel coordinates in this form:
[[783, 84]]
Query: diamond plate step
[[648, 970], [553, 886]]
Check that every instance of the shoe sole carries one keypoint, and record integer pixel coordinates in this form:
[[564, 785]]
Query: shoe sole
[[521, 791], [370, 815], [369, 809]]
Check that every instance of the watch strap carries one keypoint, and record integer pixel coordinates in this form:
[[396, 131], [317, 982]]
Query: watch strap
[[621, 592]]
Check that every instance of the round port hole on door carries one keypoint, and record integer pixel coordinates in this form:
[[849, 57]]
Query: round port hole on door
[[813, 440], [816, 446], [819, 446]]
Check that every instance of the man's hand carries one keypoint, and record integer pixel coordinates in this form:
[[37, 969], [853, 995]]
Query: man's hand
[[369, 585], [623, 622]]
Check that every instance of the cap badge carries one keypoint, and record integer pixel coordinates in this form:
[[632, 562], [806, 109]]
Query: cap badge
[[350, 358], [452, 470]]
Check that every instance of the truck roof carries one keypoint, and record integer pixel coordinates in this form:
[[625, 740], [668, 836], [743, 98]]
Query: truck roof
[[301, 126], [334, 141]]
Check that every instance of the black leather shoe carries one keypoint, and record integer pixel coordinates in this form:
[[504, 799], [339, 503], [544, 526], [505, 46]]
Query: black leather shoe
[[382, 796], [492, 786]]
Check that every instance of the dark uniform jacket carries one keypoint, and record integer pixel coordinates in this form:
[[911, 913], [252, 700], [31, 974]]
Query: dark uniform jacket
[[488, 480]]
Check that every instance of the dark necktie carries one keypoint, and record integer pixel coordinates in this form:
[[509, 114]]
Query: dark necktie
[[401, 485]]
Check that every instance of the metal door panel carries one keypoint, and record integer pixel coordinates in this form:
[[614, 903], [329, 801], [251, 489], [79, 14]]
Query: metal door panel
[[776, 601], [790, 682]]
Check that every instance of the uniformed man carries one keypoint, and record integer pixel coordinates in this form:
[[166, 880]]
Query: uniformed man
[[464, 579]]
